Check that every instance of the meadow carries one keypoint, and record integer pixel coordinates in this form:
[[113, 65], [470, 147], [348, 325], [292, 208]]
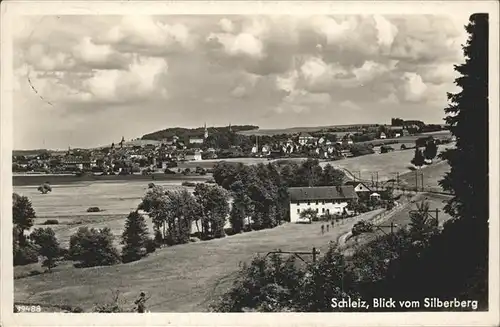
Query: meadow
[[182, 278], [385, 164]]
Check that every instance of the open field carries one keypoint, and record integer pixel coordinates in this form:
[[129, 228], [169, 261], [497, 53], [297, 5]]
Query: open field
[[401, 219], [74, 199], [386, 164], [432, 174], [182, 278], [62, 179]]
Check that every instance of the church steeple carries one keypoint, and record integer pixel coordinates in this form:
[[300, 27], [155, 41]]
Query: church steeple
[[206, 131], [230, 129]]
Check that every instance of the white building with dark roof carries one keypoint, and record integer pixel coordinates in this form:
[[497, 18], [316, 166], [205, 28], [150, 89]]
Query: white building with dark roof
[[324, 199]]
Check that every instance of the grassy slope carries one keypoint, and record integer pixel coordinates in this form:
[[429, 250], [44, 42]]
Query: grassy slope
[[180, 279]]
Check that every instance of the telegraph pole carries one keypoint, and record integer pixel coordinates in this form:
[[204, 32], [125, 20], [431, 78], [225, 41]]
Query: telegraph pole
[[416, 181], [422, 179]]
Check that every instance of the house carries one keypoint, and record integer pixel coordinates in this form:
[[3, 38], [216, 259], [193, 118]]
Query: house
[[324, 199], [347, 139], [193, 155], [305, 138], [346, 153], [196, 140], [382, 135], [360, 188]]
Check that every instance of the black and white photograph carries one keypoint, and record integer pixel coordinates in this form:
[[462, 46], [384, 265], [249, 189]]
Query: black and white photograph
[[289, 158]]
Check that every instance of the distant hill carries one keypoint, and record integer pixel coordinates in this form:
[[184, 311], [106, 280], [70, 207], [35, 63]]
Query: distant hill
[[186, 133], [295, 130]]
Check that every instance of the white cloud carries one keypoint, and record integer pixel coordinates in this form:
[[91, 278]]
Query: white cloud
[[287, 83], [89, 52], [386, 31], [330, 28], [145, 31], [319, 74], [413, 87], [370, 70], [226, 25], [241, 44], [117, 85]]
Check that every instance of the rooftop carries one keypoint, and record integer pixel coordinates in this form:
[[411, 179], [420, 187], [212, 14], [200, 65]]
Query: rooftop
[[322, 193]]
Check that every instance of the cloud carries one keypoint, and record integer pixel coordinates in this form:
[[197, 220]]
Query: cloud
[[226, 25], [413, 87], [139, 81], [183, 70], [147, 35], [386, 31]]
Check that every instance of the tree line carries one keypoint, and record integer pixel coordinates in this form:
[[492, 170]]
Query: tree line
[[260, 192]]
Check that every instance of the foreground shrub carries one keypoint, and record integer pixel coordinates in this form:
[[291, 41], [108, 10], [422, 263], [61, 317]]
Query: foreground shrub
[[25, 255], [93, 247]]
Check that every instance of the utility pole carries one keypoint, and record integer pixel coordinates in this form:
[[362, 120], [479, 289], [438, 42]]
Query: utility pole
[[416, 181], [397, 177], [422, 179], [377, 179], [437, 216]]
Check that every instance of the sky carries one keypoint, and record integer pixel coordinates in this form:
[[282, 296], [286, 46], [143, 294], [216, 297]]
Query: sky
[[85, 81]]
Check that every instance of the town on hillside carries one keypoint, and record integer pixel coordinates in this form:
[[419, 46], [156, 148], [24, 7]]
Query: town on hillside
[[161, 152]]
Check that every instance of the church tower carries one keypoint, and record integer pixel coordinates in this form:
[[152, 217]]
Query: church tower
[[206, 131]]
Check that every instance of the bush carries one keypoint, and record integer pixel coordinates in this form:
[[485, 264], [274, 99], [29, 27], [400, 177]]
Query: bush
[[51, 222], [93, 209], [34, 272], [25, 255], [188, 184], [93, 247], [169, 172]]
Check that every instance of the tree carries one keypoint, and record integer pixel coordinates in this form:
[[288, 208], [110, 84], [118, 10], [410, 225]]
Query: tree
[[45, 188], [22, 216], [154, 203], [467, 119], [180, 211], [430, 150], [214, 205], [418, 159], [93, 247], [332, 176], [134, 237], [468, 178], [240, 207], [422, 225], [309, 214], [48, 246]]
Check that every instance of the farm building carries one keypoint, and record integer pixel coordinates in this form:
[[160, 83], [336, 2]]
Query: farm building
[[323, 199], [305, 138], [361, 189], [196, 140], [193, 155]]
